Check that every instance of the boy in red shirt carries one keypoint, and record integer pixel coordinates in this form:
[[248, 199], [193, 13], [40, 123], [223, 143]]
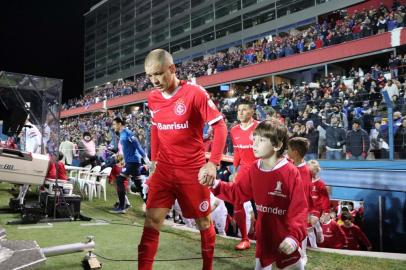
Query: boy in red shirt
[[334, 236], [241, 136], [115, 172], [320, 197], [276, 187], [353, 233], [297, 148]]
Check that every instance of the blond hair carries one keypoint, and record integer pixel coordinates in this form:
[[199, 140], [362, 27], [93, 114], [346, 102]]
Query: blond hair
[[314, 167]]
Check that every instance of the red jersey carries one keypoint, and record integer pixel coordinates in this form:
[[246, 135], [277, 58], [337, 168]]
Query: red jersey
[[307, 184], [179, 122], [354, 237], [280, 203], [320, 197], [242, 142], [334, 236], [115, 172]]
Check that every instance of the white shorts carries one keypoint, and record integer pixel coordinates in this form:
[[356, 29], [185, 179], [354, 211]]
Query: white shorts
[[219, 219]]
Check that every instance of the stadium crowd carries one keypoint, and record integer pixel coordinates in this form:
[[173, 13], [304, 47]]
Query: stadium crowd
[[336, 113], [337, 28]]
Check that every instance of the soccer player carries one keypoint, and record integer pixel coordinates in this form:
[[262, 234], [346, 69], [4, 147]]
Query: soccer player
[[320, 197], [131, 151], [354, 234], [179, 111], [276, 187], [334, 236], [241, 136], [297, 149]]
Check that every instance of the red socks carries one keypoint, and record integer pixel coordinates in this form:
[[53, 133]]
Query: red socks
[[149, 245], [208, 238], [147, 248], [240, 219]]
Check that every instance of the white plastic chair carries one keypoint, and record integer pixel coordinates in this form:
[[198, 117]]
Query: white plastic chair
[[89, 183], [102, 182], [83, 176]]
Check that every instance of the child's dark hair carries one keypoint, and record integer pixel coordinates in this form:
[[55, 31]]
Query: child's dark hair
[[86, 133], [299, 144], [275, 131], [246, 102], [345, 216]]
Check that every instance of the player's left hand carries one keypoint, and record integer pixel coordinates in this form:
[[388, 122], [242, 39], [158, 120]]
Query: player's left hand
[[288, 246], [207, 174]]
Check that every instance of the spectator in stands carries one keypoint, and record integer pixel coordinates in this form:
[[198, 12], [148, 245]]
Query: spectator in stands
[[313, 136], [382, 25], [336, 111], [335, 139], [392, 89], [87, 150], [394, 64], [400, 140], [376, 145], [357, 142], [68, 150]]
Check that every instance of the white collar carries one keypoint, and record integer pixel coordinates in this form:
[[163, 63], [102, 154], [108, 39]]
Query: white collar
[[250, 125], [278, 165], [301, 164], [168, 96]]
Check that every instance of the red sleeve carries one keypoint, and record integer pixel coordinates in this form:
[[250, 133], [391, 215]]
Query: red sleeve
[[206, 106], [219, 141], [239, 192], [237, 158], [154, 142], [361, 237], [324, 198], [296, 219]]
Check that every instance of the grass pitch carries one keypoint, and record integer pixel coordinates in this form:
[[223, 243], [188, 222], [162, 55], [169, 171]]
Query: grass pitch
[[119, 240]]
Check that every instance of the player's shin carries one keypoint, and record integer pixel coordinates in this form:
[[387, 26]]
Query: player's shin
[[147, 248], [208, 240]]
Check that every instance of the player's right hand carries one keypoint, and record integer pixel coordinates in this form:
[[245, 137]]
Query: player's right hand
[[288, 246], [207, 174]]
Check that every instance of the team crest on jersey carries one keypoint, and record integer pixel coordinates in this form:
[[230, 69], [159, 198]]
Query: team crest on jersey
[[180, 107], [278, 190], [204, 205]]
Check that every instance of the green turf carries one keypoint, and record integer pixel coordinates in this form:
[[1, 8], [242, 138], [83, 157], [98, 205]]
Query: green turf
[[120, 242]]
